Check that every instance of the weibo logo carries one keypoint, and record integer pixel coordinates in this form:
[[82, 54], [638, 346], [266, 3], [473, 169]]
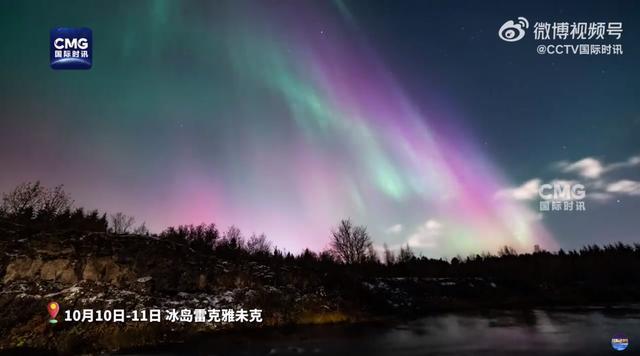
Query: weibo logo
[[512, 31]]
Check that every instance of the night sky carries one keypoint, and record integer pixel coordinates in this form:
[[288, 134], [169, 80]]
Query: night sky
[[410, 117]]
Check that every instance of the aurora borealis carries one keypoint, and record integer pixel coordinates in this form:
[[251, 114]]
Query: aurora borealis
[[284, 117]]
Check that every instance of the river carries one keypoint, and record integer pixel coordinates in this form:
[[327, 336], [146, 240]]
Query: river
[[530, 332]]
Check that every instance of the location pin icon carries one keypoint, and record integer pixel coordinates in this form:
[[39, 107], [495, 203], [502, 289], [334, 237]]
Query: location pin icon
[[53, 309]]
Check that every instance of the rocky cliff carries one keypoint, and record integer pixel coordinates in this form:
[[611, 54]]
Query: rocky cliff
[[104, 272]]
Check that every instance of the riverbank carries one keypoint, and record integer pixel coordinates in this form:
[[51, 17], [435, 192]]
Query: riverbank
[[99, 272]]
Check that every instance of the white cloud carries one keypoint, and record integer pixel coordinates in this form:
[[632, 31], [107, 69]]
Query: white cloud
[[587, 167], [527, 191], [625, 186], [631, 162], [426, 235], [395, 229], [592, 168], [432, 225], [598, 187]]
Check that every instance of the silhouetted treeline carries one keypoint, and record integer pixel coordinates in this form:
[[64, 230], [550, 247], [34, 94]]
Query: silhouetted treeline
[[36, 208], [612, 264]]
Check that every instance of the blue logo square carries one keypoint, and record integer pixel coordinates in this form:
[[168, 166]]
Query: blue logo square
[[71, 48]]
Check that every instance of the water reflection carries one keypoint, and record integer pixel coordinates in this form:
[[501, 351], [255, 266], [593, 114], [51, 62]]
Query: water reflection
[[530, 332]]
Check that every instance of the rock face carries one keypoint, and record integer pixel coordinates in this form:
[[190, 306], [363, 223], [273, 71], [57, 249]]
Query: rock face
[[105, 269], [56, 270], [100, 272], [116, 260]]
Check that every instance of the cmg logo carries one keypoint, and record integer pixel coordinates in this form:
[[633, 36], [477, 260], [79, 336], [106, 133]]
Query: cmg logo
[[71, 43], [70, 48]]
